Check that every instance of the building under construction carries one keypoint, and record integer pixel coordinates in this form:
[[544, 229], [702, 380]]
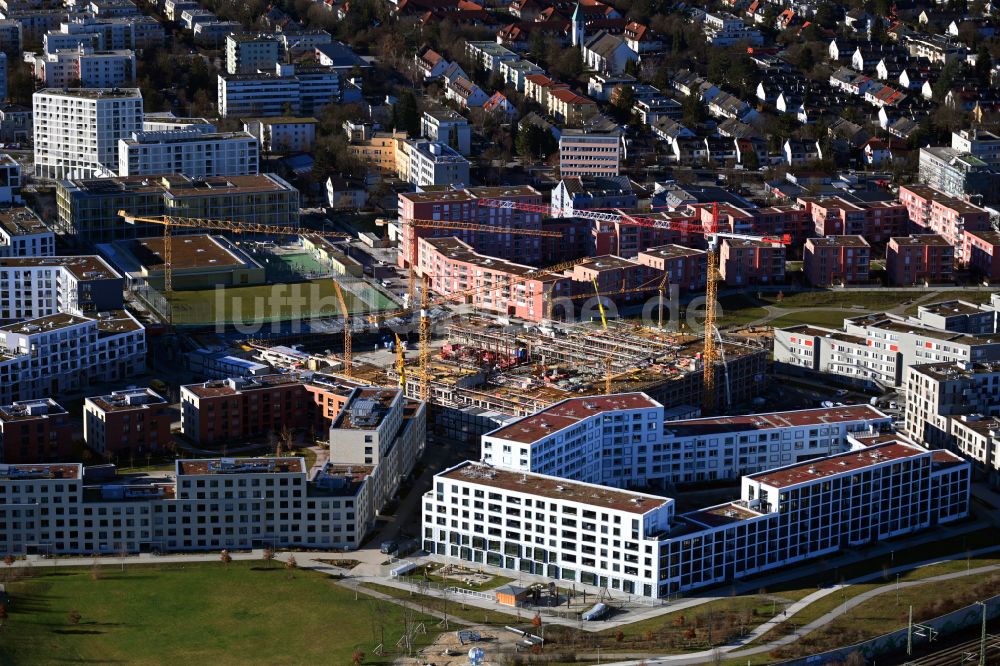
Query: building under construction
[[488, 372]]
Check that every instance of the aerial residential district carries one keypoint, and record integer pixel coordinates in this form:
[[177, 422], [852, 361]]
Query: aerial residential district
[[500, 333]]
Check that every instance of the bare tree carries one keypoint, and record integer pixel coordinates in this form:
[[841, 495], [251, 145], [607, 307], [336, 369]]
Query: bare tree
[[268, 556], [74, 617], [285, 441], [358, 657], [225, 557], [291, 565]]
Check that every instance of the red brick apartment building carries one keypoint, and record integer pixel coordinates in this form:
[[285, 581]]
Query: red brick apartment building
[[452, 267], [685, 266], [744, 262], [919, 257], [35, 431], [463, 206], [932, 211], [129, 422], [836, 260], [981, 253], [877, 221], [241, 408]]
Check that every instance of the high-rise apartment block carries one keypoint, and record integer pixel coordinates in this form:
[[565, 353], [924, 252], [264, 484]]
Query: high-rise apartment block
[[77, 130]]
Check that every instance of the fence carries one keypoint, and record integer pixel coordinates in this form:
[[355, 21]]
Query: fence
[[895, 642]]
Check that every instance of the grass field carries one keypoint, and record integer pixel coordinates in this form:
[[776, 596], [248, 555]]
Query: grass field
[[266, 303], [205, 613], [884, 613], [829, 318]]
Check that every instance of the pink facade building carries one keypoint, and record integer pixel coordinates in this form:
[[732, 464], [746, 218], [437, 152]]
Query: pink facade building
[[516, 290], [744, 262], [877, 222], [836, 260], [919, 258], [981, 253], [463, 206], [934, 212], [685, 266]]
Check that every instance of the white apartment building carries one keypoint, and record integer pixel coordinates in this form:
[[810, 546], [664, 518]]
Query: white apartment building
[[190, 152], [219, 503], [22, 234], [547, 526], [204, 505], [584, 153], [92, 69], [245, 54], [64, 352], [288, 90], [10, 179], [282, 135], [977, 439], [77, 131], [724, 29], [938, 394], [623, 439], [632, 543], [876, 349], [32, 287], [426, 163], [443, 125]]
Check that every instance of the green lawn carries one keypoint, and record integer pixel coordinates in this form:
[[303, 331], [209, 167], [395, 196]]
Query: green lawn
[[272, 302], [828, 318], [452, 605], [883, 613], [204, 613]]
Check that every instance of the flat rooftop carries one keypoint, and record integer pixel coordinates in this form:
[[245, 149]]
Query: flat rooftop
[[365, 409], [793, 419], [88, 267], [671, 251], [113, 322], [54, 471], [839, 241], [950, 370], [458, 250], [935, 240], [21, 222], [915, 328], [221, 387], [833, 334], [177, 186], [46, 324], [991, 237], [223, 466], [723, 514], [123, 401], [567, 413], [93, 93], [952, 308], [26, 410], [187, 252], [551, 487], [794, 475], [606, 262], [340, 480]]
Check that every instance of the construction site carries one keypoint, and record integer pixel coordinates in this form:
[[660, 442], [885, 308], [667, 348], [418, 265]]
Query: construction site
[[482, 372]]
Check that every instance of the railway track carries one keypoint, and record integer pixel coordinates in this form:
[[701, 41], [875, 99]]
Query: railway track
[[966, 652]]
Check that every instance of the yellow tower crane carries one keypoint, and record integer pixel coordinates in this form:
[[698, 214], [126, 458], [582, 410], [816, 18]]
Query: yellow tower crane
[[168, 222], [400, 362], [347, 329], [425, 342]]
